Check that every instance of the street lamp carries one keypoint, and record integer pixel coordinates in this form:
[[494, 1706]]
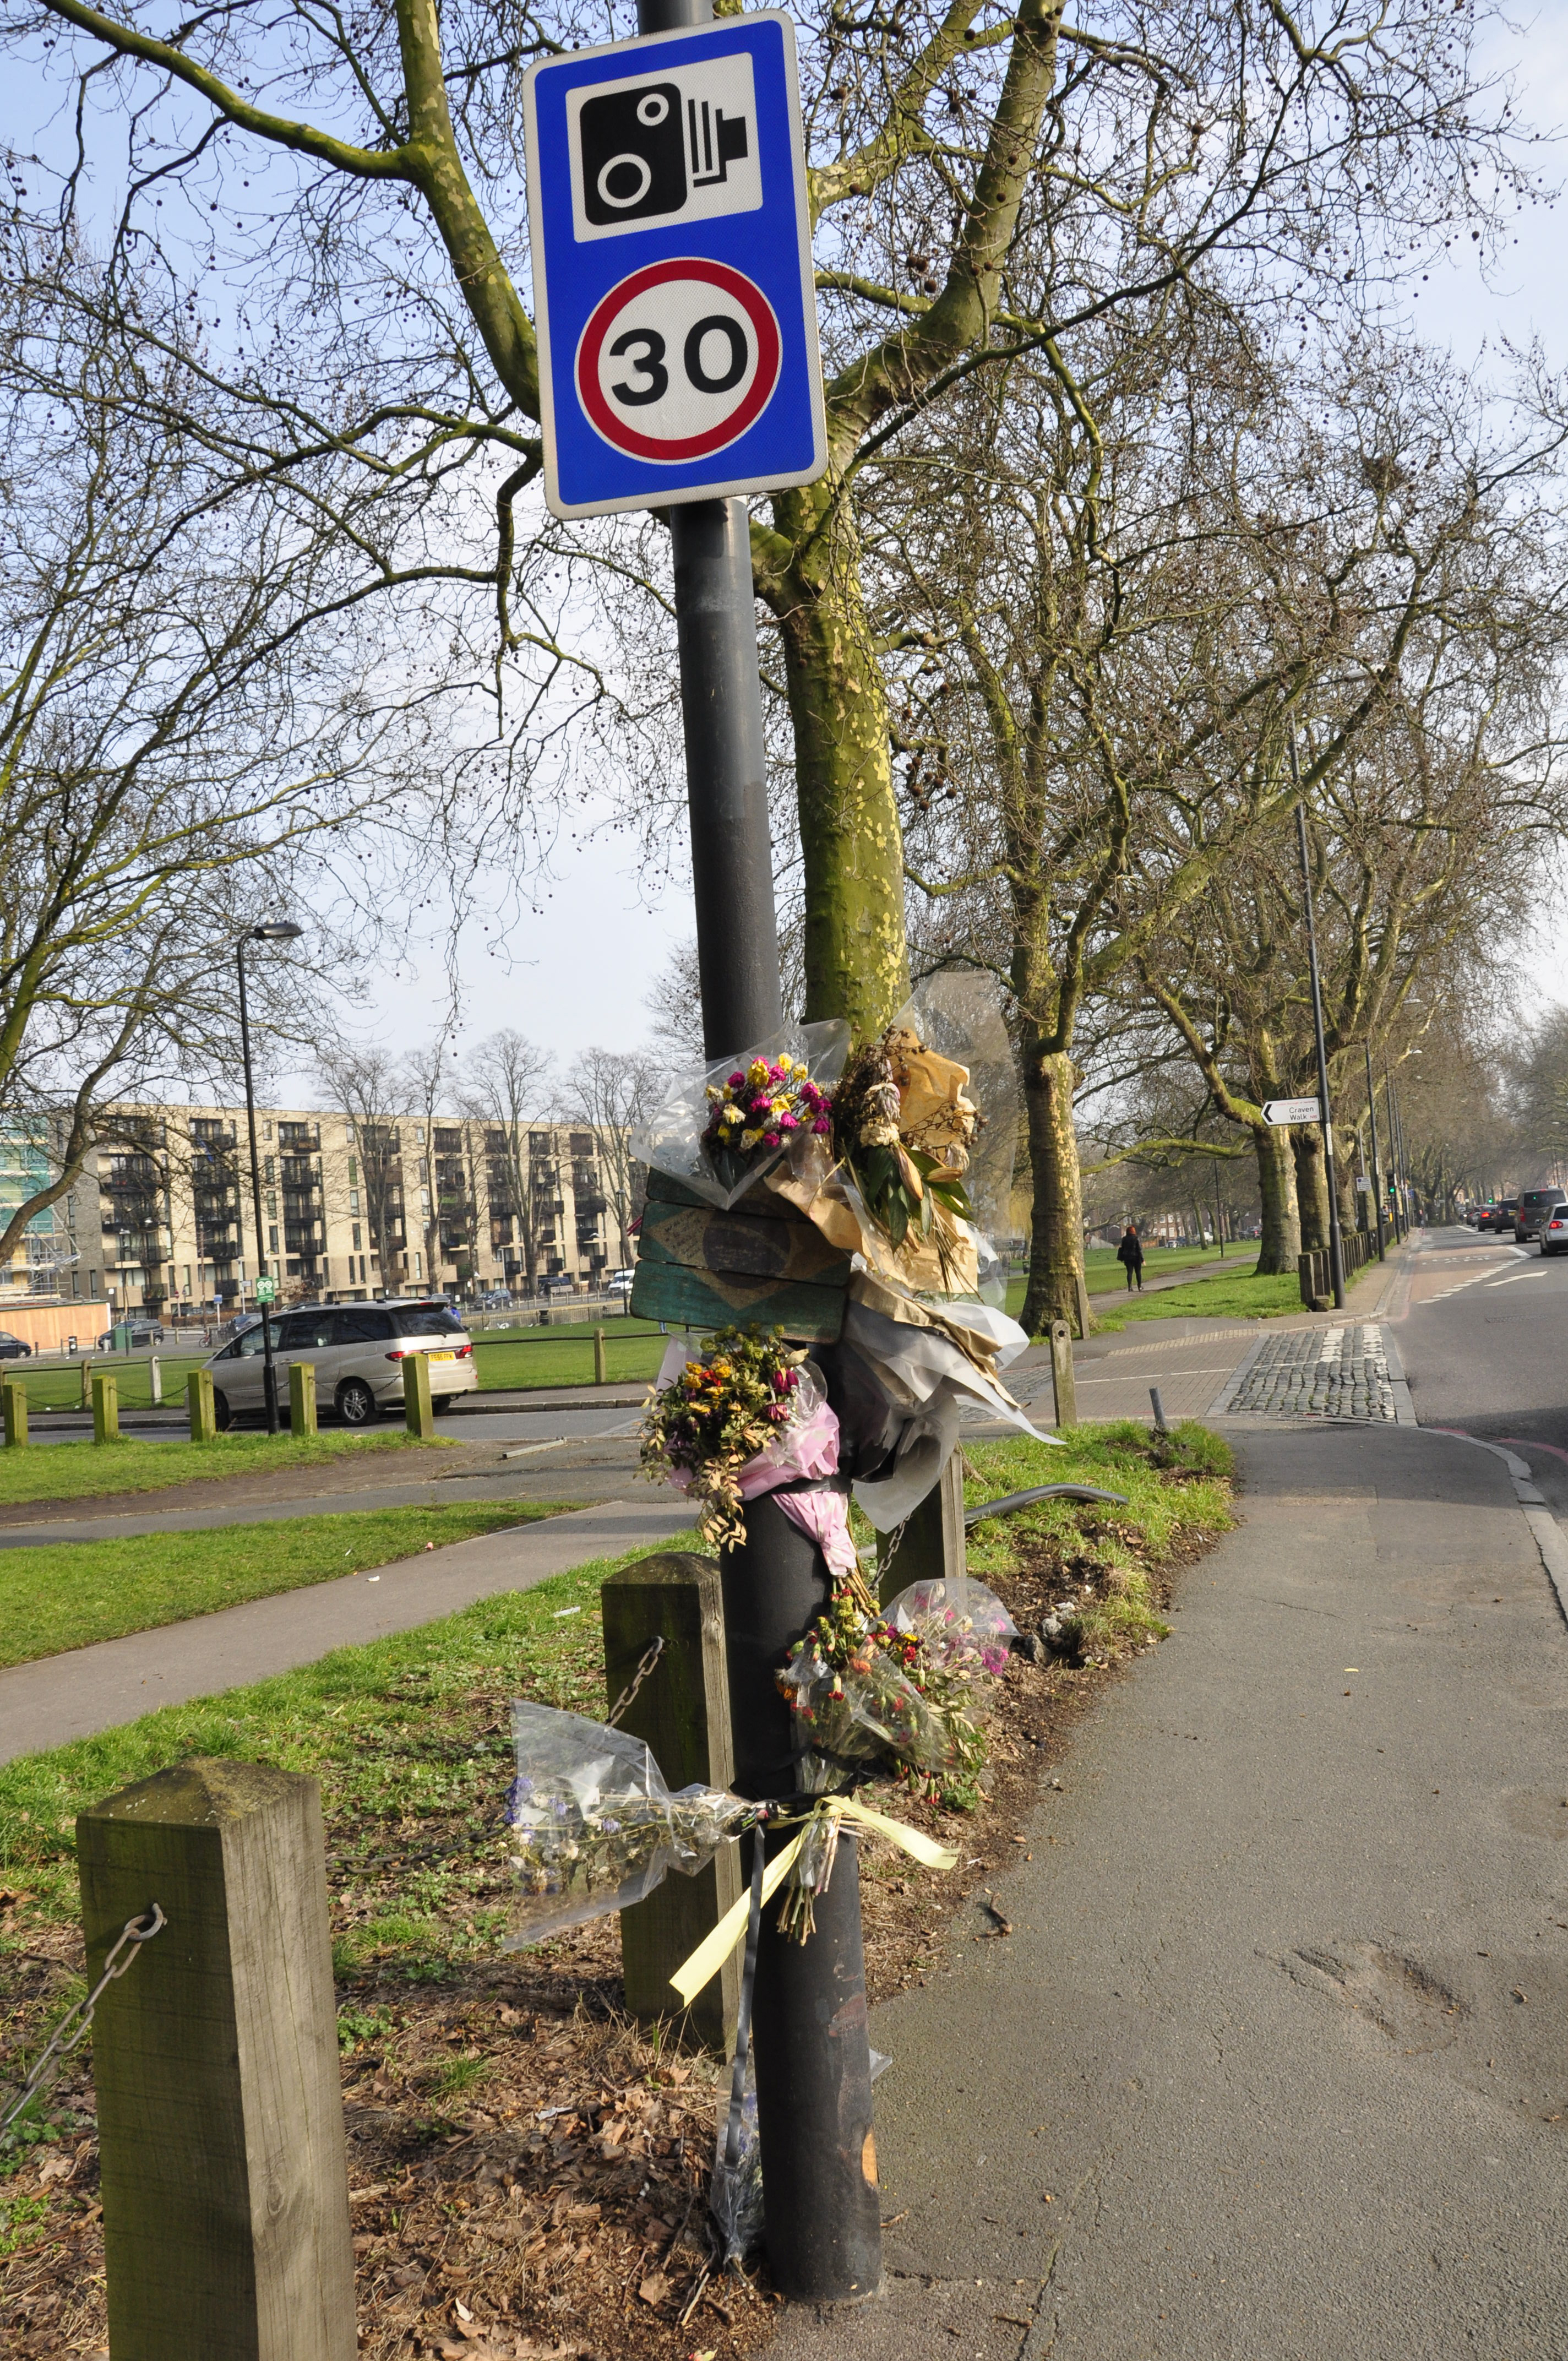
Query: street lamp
[[280, 931], [1376, 1172]]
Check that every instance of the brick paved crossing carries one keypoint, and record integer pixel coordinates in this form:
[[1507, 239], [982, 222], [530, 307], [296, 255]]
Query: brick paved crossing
[[1338, 1372]]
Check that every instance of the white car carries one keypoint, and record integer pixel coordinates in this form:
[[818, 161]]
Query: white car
[[357, 1350]]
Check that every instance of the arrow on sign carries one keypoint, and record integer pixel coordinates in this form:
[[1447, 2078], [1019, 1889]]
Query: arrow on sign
[[1284, 1111]]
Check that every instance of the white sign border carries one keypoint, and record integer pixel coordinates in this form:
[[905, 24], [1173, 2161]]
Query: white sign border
[[642, 45]]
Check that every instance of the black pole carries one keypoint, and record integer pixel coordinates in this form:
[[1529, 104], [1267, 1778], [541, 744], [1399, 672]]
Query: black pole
[[269, 1375], [1393, 1153], [1336, 1243], [822, 2206], [1376, 1172]]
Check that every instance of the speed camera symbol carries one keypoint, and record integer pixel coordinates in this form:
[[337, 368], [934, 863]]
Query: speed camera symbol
[[634, 154]]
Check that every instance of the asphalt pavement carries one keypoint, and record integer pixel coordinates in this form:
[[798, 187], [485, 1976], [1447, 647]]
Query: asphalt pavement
[[1272, 2065]]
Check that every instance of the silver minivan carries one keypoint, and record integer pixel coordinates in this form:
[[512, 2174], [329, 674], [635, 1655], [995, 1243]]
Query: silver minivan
[[359, 1350]]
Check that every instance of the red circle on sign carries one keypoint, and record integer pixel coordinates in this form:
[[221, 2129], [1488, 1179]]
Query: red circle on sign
[[615, 429]]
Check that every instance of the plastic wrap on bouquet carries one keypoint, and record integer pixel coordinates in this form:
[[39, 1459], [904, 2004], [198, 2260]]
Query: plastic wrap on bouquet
[[734, 1415], [867, 1706], [735, 2191], [593, 1827], [963, 1628], [957, 1012], [725, 1126]]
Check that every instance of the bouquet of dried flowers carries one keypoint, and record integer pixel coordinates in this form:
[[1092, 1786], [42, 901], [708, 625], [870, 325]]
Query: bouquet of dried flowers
[[591, 1825], [715, 1414], [902, 1132], [758, 1110]]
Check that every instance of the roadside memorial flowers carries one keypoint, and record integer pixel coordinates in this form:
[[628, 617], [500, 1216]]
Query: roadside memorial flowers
[[902, 1132], [592, 1825], [723, 1126], [755, 1111], [734, 1415]]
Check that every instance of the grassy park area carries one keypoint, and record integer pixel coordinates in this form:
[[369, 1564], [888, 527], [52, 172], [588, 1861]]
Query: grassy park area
[[409, 1734], [62, 1595], [82, 1471], [1228, 1295]]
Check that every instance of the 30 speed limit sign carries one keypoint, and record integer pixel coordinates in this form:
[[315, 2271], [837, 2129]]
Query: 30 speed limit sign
[[672, 270]]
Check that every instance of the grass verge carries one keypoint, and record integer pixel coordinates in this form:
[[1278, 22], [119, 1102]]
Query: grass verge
[[1228, 1296], [1093, 1569], [64, 1595], [564, 1357], [82, 1471], [56, 1385]]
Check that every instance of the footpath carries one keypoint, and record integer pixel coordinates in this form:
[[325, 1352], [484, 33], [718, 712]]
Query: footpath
[[1271, 2066]]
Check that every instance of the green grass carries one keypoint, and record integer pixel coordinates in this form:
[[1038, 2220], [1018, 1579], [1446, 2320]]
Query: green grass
[[409, 1734], [67, 1594], [405, 1731], [565, 1355], [79, 1471], [1177, 1493], [1231, 1295], [56, 1385]]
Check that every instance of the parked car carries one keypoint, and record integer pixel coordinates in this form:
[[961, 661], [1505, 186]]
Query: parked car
[[1535, 1208], [1553, 1232], [1498, 1216], [497, 1300], [142, 1332], [12, 1348], [357, 1349]]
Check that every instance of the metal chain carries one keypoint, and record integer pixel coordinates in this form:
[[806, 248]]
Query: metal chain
[[898, 1533], [651, 1655], [134, 1932]]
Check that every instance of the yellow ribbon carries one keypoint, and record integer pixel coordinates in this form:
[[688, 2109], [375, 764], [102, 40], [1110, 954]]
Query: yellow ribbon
[[714, 1950]]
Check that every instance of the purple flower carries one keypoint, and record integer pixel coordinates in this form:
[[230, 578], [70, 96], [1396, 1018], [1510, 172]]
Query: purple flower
[[821, 1126], [736, 1082]]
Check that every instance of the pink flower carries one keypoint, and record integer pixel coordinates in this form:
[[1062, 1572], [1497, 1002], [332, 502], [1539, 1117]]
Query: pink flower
[[736, 1082], [788, 1123], [821, 1126], [771, 1138]]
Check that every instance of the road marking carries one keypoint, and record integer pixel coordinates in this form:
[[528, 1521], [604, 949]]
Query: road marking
[[1534, 1272]]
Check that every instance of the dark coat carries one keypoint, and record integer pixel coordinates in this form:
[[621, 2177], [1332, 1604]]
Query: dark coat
[[1131, 1250]]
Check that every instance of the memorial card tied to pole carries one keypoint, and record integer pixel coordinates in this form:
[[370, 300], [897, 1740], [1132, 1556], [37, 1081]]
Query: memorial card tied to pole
[[672, 268]]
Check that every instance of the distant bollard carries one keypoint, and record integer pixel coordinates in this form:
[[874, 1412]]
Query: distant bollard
[[105, 1406], [87, 1385], [15, 1413], [419, 1411], [1062, 1378], [302, 1396], [601, 1369], [1158, 1408], [155, 1381], [204, 1414]]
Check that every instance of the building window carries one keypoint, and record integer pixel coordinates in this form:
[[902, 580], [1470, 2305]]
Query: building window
[[419, 1265], [353, 1168], [267, 1131], [356, 1237], [272, 1239], [419, 1136], [91, 1282], [353, 1200]]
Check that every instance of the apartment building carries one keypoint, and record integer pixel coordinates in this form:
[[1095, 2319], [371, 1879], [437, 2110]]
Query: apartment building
[[350, 1211]]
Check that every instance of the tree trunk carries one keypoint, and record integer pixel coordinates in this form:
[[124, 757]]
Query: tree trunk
[[1312, 1188], [1056, 1244], [1281, 1241], [851, 846]]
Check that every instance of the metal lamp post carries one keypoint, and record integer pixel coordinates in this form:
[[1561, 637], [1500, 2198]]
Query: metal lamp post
[[1336, 1243], [283, 931]]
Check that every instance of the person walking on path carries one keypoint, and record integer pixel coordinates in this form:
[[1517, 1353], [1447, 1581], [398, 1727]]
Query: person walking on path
[[1131, 1253]]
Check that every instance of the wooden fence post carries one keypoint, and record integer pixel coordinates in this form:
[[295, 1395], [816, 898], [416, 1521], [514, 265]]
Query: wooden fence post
[[419, 1411], [214, 2057], [601, 1367], [105, 1406], [1085, 1320], [15, 1413], [1062, 1380], [87, 1367], [203, 1416], [934, 1547], [682, 1714], [302, 1395]]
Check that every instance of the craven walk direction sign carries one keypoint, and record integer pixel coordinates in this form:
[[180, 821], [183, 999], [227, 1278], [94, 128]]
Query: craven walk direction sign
[[671, 266], [1287, 1111]]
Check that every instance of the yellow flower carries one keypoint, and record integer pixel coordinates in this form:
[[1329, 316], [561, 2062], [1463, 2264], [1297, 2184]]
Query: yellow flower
[[750, 1138], [757, 1071]]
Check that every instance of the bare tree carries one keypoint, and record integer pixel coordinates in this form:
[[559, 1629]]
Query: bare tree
[[363, 1083], [506, 1090], [610, 1092], [373, 303]]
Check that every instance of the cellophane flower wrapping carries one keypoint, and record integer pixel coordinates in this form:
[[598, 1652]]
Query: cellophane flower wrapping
[[690, 1137], [593, 1826], [963, 1627], [864, 1706], [735, 2191]]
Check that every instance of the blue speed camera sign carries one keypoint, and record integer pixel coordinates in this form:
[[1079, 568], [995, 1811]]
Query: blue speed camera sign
[[672, 270]]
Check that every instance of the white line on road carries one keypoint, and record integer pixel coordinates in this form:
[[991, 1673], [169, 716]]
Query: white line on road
[[1534, 1272]]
